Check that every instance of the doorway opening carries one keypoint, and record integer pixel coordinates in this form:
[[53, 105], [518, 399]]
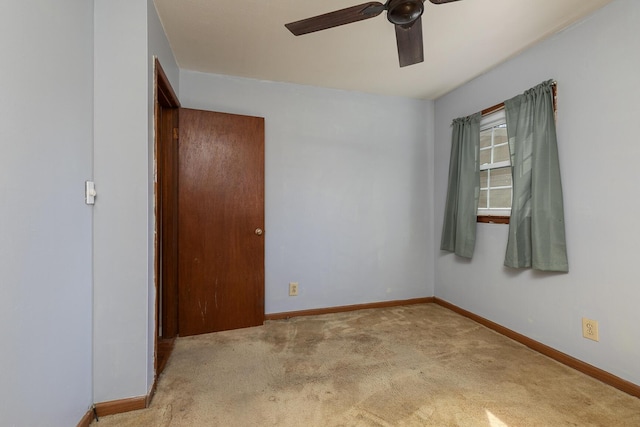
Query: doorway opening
[[209, 220]]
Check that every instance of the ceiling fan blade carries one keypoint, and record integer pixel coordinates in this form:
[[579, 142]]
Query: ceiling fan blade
[[409, 41], [334, 19], [442, 1]]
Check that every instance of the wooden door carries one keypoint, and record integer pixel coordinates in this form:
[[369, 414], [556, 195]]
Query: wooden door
[[220, 222]]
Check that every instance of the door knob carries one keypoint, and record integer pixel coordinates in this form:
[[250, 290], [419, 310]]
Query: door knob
[[259, 231]]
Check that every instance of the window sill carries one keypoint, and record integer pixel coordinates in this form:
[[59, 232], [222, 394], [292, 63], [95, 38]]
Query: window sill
[[493, 219]]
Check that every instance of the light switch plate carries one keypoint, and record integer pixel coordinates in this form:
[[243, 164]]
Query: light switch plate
[[89, 192]]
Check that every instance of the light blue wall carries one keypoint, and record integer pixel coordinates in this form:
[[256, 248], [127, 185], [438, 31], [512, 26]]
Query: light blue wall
[[45, 227], [127, 36], [120, 214], [596, 64], [348, 189]]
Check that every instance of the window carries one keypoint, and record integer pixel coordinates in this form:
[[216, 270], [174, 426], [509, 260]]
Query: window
[[495, 169]]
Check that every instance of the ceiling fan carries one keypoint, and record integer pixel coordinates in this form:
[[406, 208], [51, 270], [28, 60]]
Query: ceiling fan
[[404, 14]]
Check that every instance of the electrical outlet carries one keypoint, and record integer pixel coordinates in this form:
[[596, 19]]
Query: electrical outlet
[[293, 289], [590, 329]]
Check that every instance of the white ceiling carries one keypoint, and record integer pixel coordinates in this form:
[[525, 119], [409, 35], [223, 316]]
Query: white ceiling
[[462, 40]]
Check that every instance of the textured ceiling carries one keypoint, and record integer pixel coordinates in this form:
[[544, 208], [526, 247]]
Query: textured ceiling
[[462, 40]]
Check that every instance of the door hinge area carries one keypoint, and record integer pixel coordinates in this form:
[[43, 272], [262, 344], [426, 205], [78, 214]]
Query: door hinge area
[[175, 133]]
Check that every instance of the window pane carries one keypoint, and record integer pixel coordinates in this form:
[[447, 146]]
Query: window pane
[[496, 181], [501, 153], [500, 177], [484, 178], [485, 138], [500, 135], [485, 157], [482, 203], [501, 198]]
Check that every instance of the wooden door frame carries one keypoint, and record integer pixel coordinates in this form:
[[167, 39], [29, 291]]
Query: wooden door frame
[[166, 108]]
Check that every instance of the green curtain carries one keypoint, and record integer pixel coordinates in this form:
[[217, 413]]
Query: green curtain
[[536, 227], [460, 215]]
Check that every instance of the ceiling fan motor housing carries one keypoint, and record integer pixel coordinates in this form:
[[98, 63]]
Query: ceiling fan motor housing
[[404, 12]]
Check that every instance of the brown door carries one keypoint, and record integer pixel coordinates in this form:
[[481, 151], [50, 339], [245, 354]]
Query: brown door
[[220, 222]]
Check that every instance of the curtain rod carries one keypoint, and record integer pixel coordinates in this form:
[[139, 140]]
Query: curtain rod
[[500, 106]]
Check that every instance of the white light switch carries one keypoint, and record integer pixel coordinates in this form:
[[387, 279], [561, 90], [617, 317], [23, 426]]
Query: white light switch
[[90, 192]]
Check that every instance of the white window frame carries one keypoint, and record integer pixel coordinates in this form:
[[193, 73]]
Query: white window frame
[[487, 122]]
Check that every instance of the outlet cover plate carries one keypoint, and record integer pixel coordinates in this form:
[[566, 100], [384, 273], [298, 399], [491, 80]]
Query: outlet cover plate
[[293, 289], [590, 329]]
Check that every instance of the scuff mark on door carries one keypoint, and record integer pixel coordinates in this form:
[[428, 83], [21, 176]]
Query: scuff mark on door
[[215, 295], [202, 311]]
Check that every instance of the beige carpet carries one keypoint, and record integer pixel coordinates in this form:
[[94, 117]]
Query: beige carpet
[[420, 365]]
